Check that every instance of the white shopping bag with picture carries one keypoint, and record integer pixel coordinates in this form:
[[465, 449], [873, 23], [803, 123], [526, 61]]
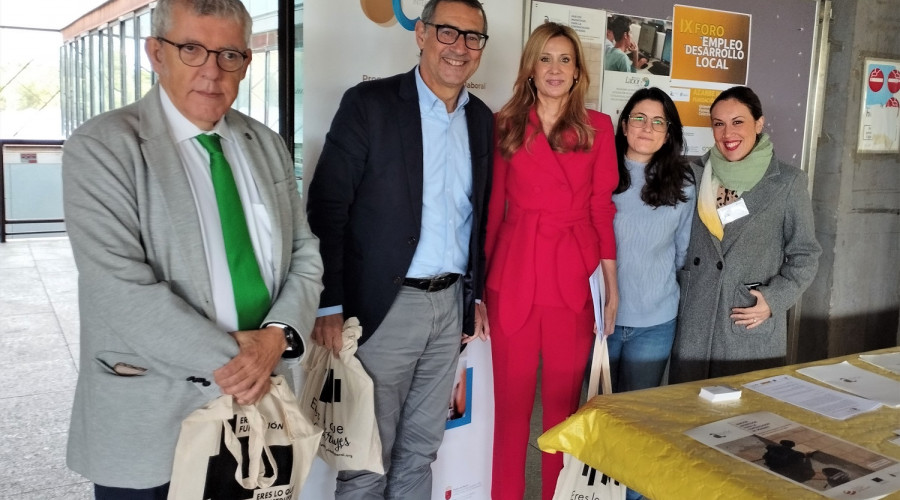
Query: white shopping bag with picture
[[577, 479], [338, 397], [463, 467], [227, 451]]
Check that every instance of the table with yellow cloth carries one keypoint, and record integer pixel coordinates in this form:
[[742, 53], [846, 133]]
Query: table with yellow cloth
[[638, 437]]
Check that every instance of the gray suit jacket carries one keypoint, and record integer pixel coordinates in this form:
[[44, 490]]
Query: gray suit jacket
[[774, 245], [144, 290]]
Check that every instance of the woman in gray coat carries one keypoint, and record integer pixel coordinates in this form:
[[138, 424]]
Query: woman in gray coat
[[753, 249]]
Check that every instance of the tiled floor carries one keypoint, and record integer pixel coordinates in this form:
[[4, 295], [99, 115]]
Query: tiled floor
[[38, 368]]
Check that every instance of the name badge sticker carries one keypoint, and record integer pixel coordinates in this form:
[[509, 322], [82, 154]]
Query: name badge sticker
[[733, 212]]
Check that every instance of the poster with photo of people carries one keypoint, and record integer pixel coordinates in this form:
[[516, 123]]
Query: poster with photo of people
[[638, 55], [693, 55]]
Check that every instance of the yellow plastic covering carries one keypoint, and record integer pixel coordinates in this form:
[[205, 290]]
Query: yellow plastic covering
[[638, 438]]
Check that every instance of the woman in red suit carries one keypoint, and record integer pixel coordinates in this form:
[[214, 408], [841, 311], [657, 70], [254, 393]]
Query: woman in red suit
[[550, 223]]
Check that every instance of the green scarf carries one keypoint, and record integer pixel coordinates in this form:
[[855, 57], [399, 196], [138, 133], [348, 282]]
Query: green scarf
[[742, 175]]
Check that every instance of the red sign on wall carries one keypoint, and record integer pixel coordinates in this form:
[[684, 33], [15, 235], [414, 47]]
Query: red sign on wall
[[876, 79], [894, 81]]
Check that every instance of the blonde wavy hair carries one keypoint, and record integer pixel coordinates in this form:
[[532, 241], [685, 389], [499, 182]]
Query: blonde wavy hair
[[572, 131]]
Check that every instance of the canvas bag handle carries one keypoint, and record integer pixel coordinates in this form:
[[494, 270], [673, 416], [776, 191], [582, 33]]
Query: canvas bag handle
[[256, 477], [599, 368]]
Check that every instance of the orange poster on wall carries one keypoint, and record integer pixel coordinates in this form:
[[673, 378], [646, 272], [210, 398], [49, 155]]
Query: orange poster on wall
[[693, 105], [710, 45]]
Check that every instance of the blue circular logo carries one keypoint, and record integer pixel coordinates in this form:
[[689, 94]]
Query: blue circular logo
[[407, 23]]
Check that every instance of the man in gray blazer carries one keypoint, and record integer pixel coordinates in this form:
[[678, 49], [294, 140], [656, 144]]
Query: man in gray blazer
[[159, 320]]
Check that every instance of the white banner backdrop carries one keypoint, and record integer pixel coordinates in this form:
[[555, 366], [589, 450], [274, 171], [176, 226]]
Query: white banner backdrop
[[347, 42]]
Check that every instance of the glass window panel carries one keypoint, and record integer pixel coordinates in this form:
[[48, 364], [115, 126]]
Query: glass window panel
[[146, 75], [260, 7], [64, 87], [242, 102], [83, 91], [257, 77], [103, 69], [130, 47], [93, 74], [108, 68], [116, 69], [298, 92], [73, 82], [272, 118], [70, 88]]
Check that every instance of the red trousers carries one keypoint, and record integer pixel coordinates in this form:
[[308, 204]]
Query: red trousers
[[560, 340]]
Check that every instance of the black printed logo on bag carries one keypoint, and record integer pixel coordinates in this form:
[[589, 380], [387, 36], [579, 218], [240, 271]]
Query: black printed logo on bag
[[591, 474], [333, 438], [331, 391], [220, 482]]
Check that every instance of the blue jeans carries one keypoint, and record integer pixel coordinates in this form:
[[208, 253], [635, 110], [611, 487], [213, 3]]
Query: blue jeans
[[637, 360], [638, 355]]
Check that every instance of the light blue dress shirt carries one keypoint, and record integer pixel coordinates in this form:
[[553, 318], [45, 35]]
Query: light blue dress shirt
[[447, 191]]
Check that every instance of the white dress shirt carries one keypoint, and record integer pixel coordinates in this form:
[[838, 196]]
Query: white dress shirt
[[196, 164]]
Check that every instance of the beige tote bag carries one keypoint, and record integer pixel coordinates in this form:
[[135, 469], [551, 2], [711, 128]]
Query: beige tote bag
[[339, 398], [231, 452]]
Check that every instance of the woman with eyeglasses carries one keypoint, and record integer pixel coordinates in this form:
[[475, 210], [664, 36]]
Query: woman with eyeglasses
[[550, 223], [654, 205], [753, 249]]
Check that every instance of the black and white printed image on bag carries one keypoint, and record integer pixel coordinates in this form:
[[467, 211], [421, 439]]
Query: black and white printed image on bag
[[227, 451], [338, 397], [577, 479]]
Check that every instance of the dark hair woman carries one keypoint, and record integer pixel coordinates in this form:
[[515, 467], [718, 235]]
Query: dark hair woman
[[654, 207], [753, 249]]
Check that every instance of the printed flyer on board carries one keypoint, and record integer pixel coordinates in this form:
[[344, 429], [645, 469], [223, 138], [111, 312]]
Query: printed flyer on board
[[590, 24], [820, 462], [710, 53], [879, 128], [630, 37]]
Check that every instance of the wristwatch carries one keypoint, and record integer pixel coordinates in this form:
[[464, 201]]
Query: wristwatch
[[294, 343]]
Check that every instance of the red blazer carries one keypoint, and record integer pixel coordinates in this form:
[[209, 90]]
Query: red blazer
[[550, 221]]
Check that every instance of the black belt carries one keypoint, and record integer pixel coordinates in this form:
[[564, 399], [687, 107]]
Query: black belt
[[435, 284]]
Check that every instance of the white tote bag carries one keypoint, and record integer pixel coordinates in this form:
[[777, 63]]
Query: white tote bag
[[226, 451], [339, 398], [464, 462], [577, 479]]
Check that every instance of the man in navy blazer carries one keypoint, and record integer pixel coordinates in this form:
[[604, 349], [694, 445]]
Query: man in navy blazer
[[398, 201]]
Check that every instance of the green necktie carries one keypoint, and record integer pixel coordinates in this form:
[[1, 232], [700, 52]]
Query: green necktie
[[251, 297]]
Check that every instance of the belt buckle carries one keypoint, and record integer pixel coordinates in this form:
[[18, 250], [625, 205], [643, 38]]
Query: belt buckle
[[435, 284]]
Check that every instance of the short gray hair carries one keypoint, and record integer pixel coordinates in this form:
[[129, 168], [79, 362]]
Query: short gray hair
[[428, 11], [228, 9]]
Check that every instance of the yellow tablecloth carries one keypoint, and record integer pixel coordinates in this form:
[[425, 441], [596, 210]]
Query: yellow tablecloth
[[638, 437]]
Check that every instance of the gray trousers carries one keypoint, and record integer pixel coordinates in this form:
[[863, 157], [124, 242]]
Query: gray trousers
[[411, 358]]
